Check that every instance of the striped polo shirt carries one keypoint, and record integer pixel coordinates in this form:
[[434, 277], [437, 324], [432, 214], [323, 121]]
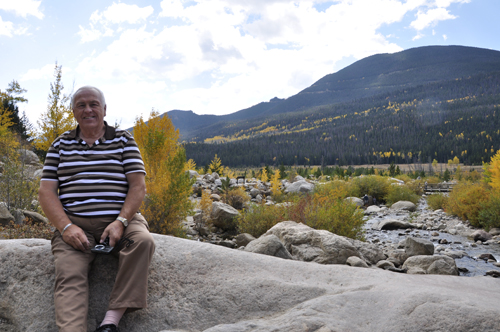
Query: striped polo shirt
[[92, 179]]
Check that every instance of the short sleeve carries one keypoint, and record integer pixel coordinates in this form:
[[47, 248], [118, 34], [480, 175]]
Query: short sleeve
[[51, 165], [132, 159]]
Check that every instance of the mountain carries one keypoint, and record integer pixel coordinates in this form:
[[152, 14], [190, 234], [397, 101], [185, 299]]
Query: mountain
[[419, 105], [376, 74]]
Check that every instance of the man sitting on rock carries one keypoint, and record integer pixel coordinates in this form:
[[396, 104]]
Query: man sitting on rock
[[91, 189]]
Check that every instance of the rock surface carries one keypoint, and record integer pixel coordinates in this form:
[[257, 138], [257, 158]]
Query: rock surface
[[404, 205], [195, 286]]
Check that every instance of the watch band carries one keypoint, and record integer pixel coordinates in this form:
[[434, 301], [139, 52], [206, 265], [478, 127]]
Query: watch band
[[123, 220]]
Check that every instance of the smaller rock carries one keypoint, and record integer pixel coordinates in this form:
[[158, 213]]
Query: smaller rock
[[481, 235], [243, 239], [356, 262]]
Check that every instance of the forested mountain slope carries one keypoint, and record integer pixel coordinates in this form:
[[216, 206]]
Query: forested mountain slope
[[440, 120], [371, 76]]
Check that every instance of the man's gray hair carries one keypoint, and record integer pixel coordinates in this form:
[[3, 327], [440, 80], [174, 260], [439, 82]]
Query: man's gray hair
[[87, 87]]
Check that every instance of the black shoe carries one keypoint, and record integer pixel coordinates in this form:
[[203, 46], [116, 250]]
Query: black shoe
[[108, 328]]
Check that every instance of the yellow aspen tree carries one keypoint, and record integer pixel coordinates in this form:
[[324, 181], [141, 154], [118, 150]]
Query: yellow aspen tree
[[494, 171], [167, 181], [263, 175], [58, 118], [276, 184]]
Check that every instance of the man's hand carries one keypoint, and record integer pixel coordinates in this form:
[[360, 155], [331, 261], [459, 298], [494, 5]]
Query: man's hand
[[75, 237], [114, 231]]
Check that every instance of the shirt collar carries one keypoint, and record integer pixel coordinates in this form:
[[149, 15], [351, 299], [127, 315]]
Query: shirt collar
[[108, 134]]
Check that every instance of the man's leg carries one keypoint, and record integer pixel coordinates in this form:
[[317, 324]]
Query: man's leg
[[71, 284], [131, 285]]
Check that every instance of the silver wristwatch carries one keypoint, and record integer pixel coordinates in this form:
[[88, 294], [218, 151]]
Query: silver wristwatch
[[123, 220]]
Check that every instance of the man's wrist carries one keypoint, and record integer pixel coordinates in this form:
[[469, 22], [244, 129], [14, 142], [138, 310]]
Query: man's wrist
[[124, 221], [65, 228]]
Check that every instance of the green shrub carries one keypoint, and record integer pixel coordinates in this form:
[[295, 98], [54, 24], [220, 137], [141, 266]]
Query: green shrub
[[259, 218], [325, 208], [437, 201], [489, 213], [339, 217], [401, 193], [465, 201], [372, 185]]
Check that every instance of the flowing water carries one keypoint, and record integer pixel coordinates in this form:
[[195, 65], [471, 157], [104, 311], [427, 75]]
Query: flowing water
[[458, 245]]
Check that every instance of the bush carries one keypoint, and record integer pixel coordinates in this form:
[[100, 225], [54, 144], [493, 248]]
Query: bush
[[259, 218], [437, 201], [489, 213], [401, 193], [236, 197], [465, 201], [323, 209], [373, 185]]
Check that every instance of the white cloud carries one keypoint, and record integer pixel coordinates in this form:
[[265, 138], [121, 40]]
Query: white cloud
[[431, 18], [219, 56], [22, 8], [6, 28], [445, 37], [115, 14], [46, 72], [120, 13]]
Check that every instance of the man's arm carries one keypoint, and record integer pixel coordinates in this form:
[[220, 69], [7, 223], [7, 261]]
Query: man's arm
[[135, 195], [52, 207]]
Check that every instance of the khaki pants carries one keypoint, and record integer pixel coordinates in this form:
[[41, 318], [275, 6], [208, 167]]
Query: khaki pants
[[72, 267]]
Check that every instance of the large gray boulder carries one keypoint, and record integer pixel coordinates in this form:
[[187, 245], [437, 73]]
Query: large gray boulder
[[308, 244], [416, 246], [404, 205], [301, 186], [437, 264], [223, 215], [196, 286], [268, 245]]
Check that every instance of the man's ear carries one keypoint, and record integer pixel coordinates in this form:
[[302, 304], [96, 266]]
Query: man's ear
[[105, 110]]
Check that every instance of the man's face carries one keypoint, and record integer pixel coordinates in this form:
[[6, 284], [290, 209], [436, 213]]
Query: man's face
[[88, 109]]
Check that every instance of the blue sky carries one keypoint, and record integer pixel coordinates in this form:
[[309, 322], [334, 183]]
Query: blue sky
[[216, 56]]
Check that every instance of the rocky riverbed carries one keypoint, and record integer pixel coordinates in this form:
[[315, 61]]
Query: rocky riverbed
[[475, 251]]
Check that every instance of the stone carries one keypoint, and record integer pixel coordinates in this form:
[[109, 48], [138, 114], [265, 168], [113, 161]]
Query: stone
[[416, 246], [494, 231], [385, 264], [301, 186], [356, 262], [254, 192], [355, 200], [268, 245], [193, 174], [215, 197], [36, 218], [223, 215], [481, 235], [393, 224], [308, 244], [437, 264], [5, 216], [372, 209], [404, 205], [195, 286], [243, 239]]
